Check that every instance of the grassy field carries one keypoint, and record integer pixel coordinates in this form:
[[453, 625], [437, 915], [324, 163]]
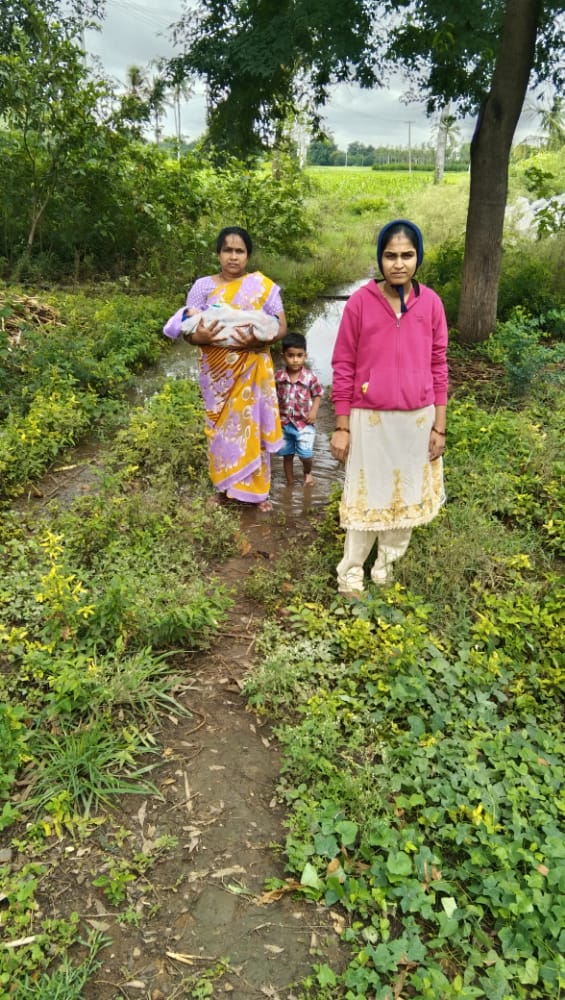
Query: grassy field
[[364, 199]]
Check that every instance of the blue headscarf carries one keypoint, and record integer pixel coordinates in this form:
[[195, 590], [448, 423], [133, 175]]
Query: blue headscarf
[[382, 241]]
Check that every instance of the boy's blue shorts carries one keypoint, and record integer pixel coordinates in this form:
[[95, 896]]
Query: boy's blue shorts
[[298, 442]]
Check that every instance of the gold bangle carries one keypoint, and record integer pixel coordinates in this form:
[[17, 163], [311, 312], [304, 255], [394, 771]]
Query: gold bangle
[[346, 429], [441, 433]]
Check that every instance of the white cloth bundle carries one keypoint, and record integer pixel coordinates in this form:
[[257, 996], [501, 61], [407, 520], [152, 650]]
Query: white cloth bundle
[[265, 327]]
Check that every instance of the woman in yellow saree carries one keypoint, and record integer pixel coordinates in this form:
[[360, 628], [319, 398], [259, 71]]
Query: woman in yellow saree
[[237, 382]]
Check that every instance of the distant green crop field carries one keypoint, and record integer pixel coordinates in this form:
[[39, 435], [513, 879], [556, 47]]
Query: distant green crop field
[[358, 201], [362, 182]]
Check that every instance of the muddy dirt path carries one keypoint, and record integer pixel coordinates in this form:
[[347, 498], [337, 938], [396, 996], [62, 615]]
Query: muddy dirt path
[[203, 910], [198, 921]]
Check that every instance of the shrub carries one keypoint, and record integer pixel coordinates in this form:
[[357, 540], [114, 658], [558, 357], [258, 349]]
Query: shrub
[[442, 270], [529, 362], [531, 276]]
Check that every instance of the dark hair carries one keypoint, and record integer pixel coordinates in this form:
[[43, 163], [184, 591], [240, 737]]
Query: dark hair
[[234, 231], [408, 229], [293, 340]]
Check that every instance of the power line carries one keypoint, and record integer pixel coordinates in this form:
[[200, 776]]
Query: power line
[[142, 8], [151, 16]]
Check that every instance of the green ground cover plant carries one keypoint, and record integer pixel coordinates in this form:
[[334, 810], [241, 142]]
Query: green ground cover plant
[[63, 378], [39, 966], [67, 982], [97, 601], [422, 732], [87, 622]]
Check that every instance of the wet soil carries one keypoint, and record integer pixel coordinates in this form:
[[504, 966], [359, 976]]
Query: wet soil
[[205, 906]]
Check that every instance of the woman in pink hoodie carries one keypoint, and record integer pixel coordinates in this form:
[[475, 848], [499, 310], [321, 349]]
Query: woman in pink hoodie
[[390, 397]]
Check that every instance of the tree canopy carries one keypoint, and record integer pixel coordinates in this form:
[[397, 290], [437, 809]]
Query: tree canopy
[[263, 58], [450, 48], [260, 58], [29, 15]]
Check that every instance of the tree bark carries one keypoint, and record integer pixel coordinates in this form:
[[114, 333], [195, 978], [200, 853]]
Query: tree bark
[[36, 214], [490, 154]]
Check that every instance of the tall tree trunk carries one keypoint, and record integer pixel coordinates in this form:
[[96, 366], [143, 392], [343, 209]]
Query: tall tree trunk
[[37, 211], [490, 154], [177, 114]]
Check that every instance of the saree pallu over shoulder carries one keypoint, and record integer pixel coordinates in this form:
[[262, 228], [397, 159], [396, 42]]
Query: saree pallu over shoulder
[[251, 291]]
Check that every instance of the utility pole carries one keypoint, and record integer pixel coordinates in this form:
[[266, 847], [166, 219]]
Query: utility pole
[[410, 124]]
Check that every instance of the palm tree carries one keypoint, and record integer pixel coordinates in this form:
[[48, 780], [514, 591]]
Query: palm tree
[[182, 91], [445, 131], [134, 102], [136, 81], [550, 118], [553, 124], [158, 102]]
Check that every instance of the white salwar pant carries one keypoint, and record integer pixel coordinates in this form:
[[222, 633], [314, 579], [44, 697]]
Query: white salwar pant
[[392, 545]]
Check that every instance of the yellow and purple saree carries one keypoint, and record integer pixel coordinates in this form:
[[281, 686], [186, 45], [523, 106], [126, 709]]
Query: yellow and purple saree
[[238, 387]]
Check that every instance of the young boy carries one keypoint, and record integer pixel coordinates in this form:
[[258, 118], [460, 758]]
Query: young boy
[[299, 393]]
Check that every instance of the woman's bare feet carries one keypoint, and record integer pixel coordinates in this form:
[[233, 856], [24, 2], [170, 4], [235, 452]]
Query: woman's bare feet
[[218, 499], [265, 506]]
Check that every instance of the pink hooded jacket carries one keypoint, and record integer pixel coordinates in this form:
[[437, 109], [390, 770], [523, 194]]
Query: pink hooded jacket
[[382, 362]]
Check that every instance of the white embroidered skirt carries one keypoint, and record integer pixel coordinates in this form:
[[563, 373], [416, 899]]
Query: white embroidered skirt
[[389, 480]]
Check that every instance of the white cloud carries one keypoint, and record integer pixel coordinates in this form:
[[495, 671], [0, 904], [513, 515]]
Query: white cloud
[[135, 32]]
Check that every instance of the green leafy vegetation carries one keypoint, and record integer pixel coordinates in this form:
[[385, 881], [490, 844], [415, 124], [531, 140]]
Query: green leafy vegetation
[[27, 970], [102, 605], [66, 375], [97, 200], [422, 732], [531, 350], [68, 980]]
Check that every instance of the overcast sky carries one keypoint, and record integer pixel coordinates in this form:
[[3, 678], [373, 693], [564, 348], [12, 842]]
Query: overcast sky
[[136, 32]]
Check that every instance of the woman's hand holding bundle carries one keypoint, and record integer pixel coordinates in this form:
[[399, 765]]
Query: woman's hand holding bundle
[[205, 335]]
